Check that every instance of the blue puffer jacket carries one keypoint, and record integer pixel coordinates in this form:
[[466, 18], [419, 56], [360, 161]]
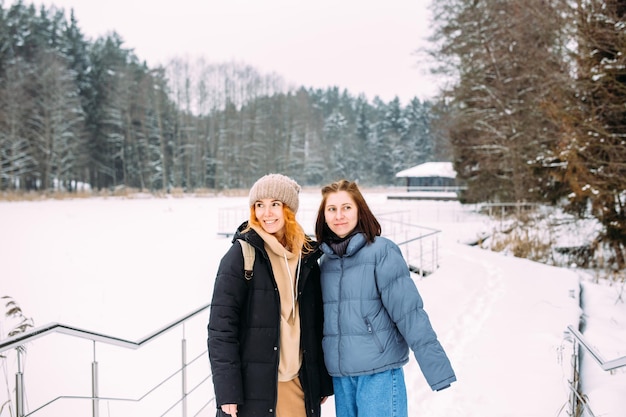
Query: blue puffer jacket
[[373, 313]]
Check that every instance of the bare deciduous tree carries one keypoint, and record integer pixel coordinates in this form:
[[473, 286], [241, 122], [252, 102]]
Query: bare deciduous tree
[[593, 145], [505, 56]]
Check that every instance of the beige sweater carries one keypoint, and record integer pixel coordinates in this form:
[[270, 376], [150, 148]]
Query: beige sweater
[[286, 268]]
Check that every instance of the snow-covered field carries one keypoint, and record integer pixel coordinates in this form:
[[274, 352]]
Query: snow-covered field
[[126, 267]]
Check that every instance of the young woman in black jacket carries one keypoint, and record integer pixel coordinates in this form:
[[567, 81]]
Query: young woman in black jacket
[[264, 334]]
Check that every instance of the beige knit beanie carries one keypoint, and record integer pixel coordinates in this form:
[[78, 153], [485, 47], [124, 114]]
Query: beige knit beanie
[[276, 186]]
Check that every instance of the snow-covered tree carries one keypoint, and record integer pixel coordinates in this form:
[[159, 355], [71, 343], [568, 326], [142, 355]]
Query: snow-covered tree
[[505, 56], [55, 122], [593, 145]]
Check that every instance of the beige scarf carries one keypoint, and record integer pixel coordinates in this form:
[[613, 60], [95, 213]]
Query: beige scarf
[[286, 268]]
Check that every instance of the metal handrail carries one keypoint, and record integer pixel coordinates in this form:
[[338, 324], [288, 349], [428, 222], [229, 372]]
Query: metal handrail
[[38, 332], [19, 340], [436, 188], [138, 399], [577, 340], [421, 251], [604, 364]]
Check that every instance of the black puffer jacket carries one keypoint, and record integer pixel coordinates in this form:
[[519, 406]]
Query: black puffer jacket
[[244, 328]]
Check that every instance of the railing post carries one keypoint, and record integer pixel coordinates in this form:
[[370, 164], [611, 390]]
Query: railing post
[[184, 372], [95, 404], [407, 247], [421, 257], [435, 255], [19, 385], [574, 377]]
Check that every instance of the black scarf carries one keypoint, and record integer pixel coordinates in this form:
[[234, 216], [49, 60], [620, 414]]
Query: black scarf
[[340, 244]]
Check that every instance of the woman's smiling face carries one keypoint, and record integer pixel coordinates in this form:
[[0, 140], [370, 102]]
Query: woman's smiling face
[[341, 213], [269, 212]]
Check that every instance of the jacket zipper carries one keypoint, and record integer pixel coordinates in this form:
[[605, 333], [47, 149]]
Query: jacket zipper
[[371, 331], [339, 318]]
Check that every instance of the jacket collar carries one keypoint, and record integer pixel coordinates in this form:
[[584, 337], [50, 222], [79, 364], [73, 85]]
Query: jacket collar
[[356, 243], [250, 236]]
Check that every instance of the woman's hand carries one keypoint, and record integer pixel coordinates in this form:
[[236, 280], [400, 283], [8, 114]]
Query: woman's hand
[[323, 400], [230, 409]]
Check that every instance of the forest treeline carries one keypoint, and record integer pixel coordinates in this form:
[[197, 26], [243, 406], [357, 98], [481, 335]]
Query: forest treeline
[[75, 111], [533, 112]]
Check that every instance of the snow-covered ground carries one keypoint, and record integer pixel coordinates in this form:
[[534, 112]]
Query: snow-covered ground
[[126, 267]]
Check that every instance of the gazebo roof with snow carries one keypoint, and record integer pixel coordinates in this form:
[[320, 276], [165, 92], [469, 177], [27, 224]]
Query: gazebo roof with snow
[[429, 181], [429, 169]]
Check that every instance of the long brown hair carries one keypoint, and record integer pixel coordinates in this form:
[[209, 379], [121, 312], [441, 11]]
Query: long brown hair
[[294, 238], [367, 222]]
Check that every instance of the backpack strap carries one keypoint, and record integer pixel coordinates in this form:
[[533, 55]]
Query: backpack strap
[[248, 258]]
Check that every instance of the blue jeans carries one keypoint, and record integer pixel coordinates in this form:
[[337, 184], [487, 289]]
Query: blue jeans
[[381, 394]]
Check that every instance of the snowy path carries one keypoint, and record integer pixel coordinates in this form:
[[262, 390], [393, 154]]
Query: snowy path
[[499, 335]]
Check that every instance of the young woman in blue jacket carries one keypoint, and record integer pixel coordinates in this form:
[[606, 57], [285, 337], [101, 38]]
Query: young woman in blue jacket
[[373, 312]]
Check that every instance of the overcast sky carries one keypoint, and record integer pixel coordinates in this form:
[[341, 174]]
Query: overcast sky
[[366, 46]]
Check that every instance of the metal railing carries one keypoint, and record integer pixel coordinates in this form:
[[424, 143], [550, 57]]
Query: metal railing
[[576, 399], [419, 244], [436, 188], [609, 365], [17, 342]]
